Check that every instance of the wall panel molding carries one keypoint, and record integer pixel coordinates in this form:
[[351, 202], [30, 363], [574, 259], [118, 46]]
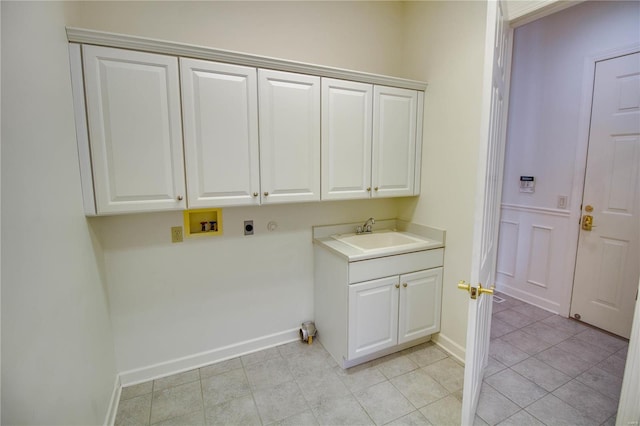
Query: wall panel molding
[[538, 210]]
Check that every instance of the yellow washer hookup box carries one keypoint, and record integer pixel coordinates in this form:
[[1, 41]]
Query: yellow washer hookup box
[[203, 222]]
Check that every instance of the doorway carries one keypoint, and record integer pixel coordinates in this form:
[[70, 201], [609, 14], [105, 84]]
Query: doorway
[[607, 267]]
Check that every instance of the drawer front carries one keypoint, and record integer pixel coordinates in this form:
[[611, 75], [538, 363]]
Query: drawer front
[[365, 270]]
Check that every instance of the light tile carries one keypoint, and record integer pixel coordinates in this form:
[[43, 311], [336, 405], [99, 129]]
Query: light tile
[[477, 421], [493, 407], [319, 385], [602, 340], [551, 410], [533, 311], [521, 418], [301, 363], [500, 328], [136, 390], [563, 361], [268, 373], [506, 353], [588, 401], [220, 367], [547, 333], [584, 350], [395, 365], [306, 418], [603, 382], [514, 318], [260, 356], [525, 342], [224, 387], [134, 411], [622, 353], [518, 389], [493, 366], [419, 388], [176, 379], [341, 411], [176, 401], [444, 412], [568, 324], [541, 374], [424, 355], [613, 365], [300, 348], [384, 403], [360, 377], [236, 412], [412, 419], [280, 402], [192, 419], [448, 373]]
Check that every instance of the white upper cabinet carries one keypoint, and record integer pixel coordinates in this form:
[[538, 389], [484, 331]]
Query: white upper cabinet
[[289, 106], [135, 131], [346, 139], [220, 117], [395, 115]]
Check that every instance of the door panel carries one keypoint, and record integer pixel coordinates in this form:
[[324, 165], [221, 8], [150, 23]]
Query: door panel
[[420, 299], [373, 316], [220, 110], [607, 266], [135, 131]]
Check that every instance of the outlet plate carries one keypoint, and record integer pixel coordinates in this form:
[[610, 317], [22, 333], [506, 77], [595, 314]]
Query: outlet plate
[[248, 227], [562, 201], [176, 234]]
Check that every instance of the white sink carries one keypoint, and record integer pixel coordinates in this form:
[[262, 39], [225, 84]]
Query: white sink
[[382, 240]]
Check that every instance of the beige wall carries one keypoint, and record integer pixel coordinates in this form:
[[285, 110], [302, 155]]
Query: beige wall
[[445, 47], [58, 361]]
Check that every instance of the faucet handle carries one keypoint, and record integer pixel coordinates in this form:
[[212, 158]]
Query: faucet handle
[[359, 230]]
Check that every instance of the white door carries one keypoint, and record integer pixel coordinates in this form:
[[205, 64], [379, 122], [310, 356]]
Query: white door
[[289, 136], [135, 131], [373, 316], [346, 139], [608, 259], [220, 112], [394, 141], [489, 192], [420, 299]]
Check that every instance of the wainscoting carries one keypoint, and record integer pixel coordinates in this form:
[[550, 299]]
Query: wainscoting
[[536, 257]]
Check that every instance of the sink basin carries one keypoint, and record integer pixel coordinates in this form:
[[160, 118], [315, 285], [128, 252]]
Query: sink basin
[[381, 240]]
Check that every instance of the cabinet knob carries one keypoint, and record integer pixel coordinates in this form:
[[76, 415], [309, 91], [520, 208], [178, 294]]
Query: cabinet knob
[[375, 189], [179, 197], [404, 284], [397, 285], [369, 189], [255, 194], [266, 194]]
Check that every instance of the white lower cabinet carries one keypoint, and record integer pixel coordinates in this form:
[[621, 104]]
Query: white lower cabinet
[[394, 310]]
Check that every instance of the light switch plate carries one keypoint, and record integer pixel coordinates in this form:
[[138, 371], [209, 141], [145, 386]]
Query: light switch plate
[[176, 234]]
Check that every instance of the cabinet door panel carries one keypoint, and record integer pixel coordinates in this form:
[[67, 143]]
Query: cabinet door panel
[[394, 141], [420, 301], [220, 110], [373, 316], [346, 139], [289, 136], [135, 132]]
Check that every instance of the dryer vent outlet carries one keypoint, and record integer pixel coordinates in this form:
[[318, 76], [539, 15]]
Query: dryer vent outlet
[[248, 227]]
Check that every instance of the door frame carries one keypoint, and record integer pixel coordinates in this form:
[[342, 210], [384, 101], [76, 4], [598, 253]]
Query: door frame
[[582, 150]]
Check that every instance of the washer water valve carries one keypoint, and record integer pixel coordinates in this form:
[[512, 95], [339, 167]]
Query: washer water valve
[[308, 331]]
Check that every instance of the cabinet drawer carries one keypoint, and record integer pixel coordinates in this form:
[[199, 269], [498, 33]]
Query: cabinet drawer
[[394, 265]]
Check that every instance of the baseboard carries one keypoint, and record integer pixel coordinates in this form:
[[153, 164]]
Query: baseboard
[[529, 298], [179, 365], [110, 418], [451, 347]]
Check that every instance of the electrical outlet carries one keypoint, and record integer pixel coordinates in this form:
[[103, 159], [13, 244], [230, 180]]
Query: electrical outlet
[[248, 227], [176, 234], [562, 201]]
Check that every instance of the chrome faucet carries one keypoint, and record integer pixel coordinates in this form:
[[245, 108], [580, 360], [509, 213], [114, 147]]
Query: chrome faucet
[[366, 227]]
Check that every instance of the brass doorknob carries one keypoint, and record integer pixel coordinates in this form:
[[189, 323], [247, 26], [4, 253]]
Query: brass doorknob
[[255, 194], [463, 286]]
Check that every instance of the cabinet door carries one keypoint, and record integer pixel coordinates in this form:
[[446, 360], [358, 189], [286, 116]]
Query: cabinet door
[[420, 301], [394, 141], [135, 132], [289, 136], [220, 111], [373, 316], [346, 139]]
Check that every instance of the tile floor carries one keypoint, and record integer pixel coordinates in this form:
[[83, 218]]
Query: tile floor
[[543, 370]]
